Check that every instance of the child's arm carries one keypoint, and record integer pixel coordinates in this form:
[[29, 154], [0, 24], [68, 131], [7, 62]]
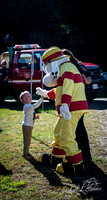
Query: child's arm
[[38, 103]]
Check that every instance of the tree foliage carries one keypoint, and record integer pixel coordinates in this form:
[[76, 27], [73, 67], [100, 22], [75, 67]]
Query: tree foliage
[[73, 24]]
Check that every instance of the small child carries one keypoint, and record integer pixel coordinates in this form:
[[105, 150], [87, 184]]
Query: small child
[[28, 122]]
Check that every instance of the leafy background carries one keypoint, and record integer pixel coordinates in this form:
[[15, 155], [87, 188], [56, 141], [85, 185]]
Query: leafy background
[[77, 25]]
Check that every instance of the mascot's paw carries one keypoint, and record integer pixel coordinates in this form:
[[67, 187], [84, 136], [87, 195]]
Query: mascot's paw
[[41, 92], [49, 159], [68, 168], [64, 110]]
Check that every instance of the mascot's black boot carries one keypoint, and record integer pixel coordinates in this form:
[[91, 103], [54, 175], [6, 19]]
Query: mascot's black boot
[[50, 160], [68, 168]]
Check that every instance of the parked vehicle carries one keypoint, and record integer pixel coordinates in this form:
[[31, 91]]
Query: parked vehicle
[[20, 72], [20, 69], [105, 77], [97, 80]]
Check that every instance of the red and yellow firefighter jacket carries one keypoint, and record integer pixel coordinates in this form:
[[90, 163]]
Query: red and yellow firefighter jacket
[[70, 89]]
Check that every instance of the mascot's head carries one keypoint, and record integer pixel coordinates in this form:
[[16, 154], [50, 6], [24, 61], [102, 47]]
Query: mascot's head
[[52, 59]]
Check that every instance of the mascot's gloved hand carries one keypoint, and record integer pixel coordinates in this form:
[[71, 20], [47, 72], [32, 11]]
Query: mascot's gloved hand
[[64, 110], [41, 92]]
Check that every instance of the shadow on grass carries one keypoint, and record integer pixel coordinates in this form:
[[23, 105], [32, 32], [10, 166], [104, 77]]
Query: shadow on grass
[[4, 171], [12, 105], [19, 106], [98, 104], [42, 142], [92, 184], [48, 172]]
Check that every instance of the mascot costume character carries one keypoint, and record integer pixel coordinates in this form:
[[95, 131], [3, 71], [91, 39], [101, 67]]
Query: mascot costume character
[[71, 104]]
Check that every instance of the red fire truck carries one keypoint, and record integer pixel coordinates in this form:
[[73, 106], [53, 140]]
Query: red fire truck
[[25, 68], [21, 70]]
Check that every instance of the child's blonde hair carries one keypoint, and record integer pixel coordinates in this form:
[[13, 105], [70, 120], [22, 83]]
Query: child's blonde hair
[[22, 95]]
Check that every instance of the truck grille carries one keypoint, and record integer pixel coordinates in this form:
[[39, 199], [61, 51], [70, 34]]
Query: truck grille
[[95, 73]]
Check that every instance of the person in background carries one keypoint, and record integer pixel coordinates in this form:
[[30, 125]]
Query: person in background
[[82, 69], [5, 71], [4, 75], [81, 133]]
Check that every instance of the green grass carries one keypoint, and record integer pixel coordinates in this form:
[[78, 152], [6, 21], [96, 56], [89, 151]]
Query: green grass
[[24, 180], [10, 186]]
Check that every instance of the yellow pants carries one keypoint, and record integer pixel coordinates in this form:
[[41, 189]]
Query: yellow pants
[[64, 137]]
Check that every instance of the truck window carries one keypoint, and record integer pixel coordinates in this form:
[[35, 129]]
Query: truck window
[[37, 56], [24, 60]]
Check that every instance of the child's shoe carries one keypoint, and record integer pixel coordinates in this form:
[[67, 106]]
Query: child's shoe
[[27, 156]]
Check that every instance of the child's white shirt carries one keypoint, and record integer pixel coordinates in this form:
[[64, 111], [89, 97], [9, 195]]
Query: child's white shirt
[[29, 113]]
